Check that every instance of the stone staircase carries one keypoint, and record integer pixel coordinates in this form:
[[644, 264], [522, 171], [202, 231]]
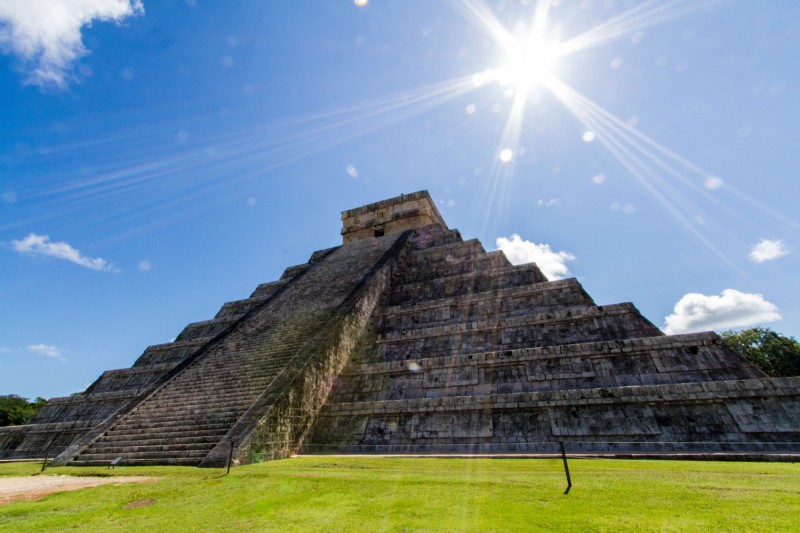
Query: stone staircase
[[189, 416], [65, 420], [181, 423]]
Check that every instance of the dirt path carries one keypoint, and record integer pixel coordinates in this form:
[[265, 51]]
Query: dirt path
[[14, 489]]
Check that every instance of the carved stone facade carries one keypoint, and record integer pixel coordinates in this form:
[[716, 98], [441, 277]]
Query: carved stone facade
[[409, 339], [407, 211]]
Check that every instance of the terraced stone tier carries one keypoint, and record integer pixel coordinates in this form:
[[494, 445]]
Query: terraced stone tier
[[34, 441], [535, 299], [467, 354], [620, 321], [747, 415], [467, 283], [642, 361]]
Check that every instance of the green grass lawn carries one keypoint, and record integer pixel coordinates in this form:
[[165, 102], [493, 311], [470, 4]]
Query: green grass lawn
[[388, 494]]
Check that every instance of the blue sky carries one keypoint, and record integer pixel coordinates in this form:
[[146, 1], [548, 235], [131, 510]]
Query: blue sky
[[159, 159]]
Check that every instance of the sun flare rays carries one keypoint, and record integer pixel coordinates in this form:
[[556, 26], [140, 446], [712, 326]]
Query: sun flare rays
[[531, 61], [528, 57]]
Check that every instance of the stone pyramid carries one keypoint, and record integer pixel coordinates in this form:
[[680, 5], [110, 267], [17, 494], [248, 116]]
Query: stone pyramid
[[409, 339]]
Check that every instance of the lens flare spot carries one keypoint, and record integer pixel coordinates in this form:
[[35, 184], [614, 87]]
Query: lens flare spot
[[506, 154], [471, 109], [413, 366], [361, 3], [588, 136], [352, 171], [598, 179], [713, 183]]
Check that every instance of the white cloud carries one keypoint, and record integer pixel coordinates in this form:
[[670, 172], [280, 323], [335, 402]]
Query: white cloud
[[46, 34], [45, 349], [732, 308], [519, 251], [766, 250], [41, 245], [5, 349]]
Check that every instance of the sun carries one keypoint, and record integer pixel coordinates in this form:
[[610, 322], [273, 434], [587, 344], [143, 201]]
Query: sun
[[529, 63]]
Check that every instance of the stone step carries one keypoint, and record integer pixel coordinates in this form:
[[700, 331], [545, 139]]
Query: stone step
[[227, 389], [421, 242], [166, 461], [166, 438], [492, 322], [197, 410], [187, 403], [501, 278], [206, 328], [171, 352], [186, 414], [479, 263], [196, 427], [294, 271], [184, 454], [447, 252], [466, 315], [551, 293], [674, 414], [267, 290], [621, 321], [188, 419], [206, 396], [237, 308], [149, 446], [122, 437], [221, 368], [632, 362], [227, 386]]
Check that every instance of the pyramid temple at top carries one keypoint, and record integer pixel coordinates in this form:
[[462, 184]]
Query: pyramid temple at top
[[409, 339]]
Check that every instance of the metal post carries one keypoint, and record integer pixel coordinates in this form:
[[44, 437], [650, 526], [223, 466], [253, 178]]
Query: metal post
[[566, 467], [46, 454], [230, 458]]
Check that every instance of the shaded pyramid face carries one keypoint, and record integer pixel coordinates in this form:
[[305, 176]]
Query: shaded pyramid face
[[409, 339]]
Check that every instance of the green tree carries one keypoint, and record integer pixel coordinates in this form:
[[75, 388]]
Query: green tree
[[15, 410], [774, 354]]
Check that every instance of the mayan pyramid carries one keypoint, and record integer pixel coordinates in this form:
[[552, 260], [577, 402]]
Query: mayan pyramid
[[409, 339]]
